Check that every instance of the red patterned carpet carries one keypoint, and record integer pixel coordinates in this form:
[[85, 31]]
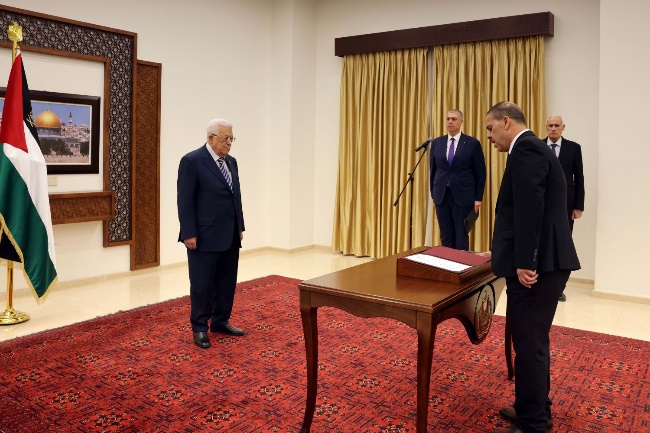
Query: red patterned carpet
[[138, 371]]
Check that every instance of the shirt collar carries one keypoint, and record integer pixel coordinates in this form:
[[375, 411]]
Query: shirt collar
[[212, 152], [455, 137], [558, 142], [515, 139]]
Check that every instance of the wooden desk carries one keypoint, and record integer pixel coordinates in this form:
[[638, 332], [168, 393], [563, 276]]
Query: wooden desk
[[375, 290]]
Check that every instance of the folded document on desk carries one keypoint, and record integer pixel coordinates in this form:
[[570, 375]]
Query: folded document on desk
[[460, 256], [443, 264], [438, 262]]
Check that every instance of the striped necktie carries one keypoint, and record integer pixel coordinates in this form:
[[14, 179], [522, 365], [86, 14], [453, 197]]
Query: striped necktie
[[221, 163]]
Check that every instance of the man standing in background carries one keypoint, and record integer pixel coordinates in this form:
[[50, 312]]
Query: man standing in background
[[212, 228], [570, 156], [457, 180]]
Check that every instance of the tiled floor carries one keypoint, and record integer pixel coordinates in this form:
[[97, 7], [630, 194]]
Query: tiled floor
[[71, 303]]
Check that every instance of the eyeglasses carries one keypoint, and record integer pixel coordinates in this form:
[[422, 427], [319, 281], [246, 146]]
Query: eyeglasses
[[226, 138]]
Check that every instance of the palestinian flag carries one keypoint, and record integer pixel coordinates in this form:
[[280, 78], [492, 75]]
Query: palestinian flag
[[25, 219]]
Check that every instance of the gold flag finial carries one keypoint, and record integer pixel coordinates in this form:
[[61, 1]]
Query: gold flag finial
[[15, 34]]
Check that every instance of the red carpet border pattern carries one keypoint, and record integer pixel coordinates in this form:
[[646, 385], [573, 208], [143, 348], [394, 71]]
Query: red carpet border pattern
[[138, 371]]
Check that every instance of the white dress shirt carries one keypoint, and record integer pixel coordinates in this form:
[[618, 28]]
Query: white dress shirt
[[559, 144]]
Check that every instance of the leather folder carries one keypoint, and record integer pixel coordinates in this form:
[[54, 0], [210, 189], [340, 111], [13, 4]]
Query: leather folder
[[477, 265], [470, 220]]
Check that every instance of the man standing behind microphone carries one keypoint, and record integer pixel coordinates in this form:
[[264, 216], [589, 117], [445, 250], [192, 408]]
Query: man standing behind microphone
[[457, 180]]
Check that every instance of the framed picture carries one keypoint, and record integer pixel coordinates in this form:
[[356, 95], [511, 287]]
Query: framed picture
[[68, 130]]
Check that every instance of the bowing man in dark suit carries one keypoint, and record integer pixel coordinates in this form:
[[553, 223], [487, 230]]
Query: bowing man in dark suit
[[533, 249], [212, 226], [457, 180], [570, 156]]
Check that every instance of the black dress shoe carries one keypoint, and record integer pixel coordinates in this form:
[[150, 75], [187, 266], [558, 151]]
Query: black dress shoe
[[510, 414], [228, 329], [562, 297], [202, 340]]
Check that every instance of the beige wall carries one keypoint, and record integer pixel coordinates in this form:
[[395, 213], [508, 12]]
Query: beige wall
[[290, 184], [269, 66], [622, 237]]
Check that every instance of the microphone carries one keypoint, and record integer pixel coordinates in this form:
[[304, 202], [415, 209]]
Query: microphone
[[424, 145]]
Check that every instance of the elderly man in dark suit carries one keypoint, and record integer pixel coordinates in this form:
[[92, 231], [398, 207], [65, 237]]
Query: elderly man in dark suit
[[570, 156], [457, 180], [533, 249], [212, 226]]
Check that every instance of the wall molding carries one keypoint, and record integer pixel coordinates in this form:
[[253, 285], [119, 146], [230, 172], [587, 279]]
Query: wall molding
[[620, 297]]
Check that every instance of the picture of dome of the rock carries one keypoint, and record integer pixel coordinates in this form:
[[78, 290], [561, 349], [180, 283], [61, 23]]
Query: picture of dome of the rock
[[63, 132], [62, 142]]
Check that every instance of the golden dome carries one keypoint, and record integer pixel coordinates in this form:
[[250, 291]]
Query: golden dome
[[47, 119]]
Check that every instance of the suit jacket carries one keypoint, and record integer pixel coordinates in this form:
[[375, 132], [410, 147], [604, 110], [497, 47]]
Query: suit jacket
[[571, 161], [207, 208], [531, 230], [466, 175]]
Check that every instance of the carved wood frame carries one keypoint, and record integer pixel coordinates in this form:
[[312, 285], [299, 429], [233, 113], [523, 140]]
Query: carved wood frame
[[145, 248], [138, 221], [116, 49]]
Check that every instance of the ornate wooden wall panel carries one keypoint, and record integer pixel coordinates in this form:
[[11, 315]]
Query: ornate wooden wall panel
[[82, 207], [145, 248], [70, 38]]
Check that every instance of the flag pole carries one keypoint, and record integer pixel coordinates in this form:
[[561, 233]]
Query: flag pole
[[11, 316]]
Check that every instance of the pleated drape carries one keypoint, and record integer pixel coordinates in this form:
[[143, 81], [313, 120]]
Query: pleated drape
[[474, 76], [385, 113], [384, 116]]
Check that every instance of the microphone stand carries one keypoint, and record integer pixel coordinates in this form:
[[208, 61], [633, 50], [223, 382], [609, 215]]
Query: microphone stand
[[410, 181]]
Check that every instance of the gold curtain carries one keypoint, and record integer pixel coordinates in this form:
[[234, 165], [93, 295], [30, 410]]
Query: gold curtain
[[384, 115], [474, 76]]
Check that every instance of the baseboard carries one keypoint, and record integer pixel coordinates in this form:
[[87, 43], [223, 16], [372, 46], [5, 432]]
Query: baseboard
[[584, 281], [287, 250], [620, 297], [102, 278], [63, 285]]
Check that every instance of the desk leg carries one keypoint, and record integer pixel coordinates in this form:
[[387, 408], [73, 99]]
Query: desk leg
[[426, 338], [310, 329]]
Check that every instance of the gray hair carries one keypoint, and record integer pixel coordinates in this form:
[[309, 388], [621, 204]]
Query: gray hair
[[555, 115], [215, 125], [506, 108], [457, 111]]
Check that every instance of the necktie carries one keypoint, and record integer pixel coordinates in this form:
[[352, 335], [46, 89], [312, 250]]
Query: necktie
[[450, 158], [221, 163], [553, 147]]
